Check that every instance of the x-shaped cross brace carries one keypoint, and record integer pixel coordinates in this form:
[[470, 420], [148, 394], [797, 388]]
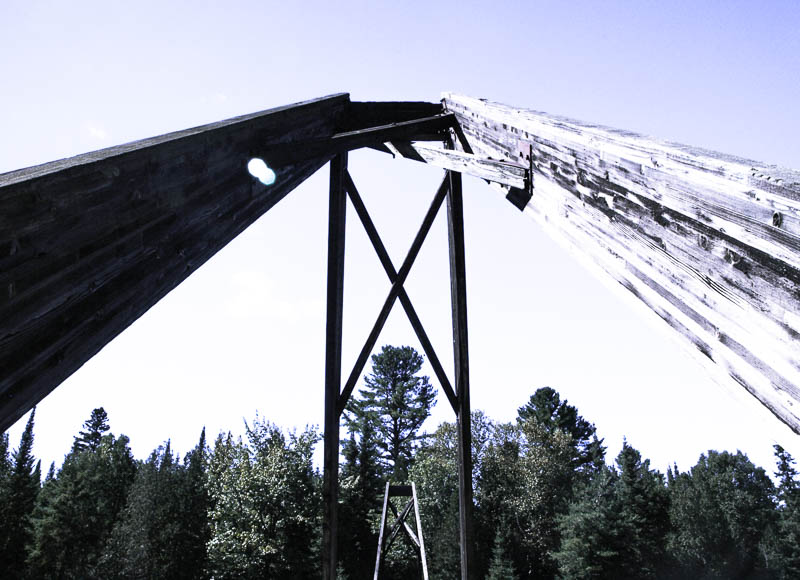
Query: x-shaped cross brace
[[397, 291]]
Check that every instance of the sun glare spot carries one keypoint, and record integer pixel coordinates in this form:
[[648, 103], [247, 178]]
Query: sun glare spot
[[261, 171]]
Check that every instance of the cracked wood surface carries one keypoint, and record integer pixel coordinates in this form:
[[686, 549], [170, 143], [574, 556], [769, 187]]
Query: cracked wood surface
[[709, 242]]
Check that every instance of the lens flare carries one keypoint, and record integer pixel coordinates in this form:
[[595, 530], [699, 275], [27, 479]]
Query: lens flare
[[261, 171]]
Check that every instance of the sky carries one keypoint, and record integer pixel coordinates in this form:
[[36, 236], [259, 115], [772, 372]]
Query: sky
[[244, 335]]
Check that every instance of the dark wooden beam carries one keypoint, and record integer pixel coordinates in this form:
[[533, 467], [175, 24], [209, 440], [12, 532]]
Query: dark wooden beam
[[361, 115], [458, 292], [424, 129], [88, 244], [333, 365]]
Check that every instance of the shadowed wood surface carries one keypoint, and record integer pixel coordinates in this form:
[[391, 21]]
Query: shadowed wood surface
[[710, 242]]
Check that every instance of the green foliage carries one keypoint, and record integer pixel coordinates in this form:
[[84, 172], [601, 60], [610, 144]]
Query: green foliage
[[19, 485], [721, 513], [76, 510], [785, 548], [617, 524], [163, 529], [435, 474], [94, 429], [551, 413], [500, 567], [265, 508], [360, 493], [398, 401]]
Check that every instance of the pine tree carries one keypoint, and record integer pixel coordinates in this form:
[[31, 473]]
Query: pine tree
[[76, 511], [399, 401], [22, 486], [95, 427], [550, 412]]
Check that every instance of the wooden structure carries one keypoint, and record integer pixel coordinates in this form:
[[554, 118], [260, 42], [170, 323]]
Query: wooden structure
[[709, 242], [386, 536]]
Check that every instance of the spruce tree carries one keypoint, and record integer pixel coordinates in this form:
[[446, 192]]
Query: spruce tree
[[22, 486]]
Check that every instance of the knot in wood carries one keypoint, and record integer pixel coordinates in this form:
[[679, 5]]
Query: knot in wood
[[777, 219]]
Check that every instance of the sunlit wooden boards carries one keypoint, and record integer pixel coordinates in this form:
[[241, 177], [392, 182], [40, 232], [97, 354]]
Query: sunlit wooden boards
[[90, 243], [709, 242]]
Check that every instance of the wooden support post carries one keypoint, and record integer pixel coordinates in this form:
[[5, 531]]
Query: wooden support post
[[333, 364], [458, 292]]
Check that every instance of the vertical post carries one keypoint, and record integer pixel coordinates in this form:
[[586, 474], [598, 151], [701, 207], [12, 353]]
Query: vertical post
[[333, 365], [458, 293]]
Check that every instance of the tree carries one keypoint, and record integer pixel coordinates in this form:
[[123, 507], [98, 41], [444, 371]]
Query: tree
[[500, 567], [264, 505], [435, 474], [162, 531], [21, 483], [398, 400], [360, 493], [95, 427], [721, 512], [785, 550], [547, 408], [76, 511]]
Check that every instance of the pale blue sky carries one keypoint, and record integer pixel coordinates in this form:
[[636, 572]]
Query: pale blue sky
[[245, 332]]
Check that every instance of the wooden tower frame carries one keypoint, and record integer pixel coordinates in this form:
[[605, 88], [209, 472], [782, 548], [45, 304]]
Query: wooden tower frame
[[708, 242]]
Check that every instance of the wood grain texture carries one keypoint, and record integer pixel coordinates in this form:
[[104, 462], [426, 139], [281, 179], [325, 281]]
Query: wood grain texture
[[502, 172], [709, 242], [88, 244]]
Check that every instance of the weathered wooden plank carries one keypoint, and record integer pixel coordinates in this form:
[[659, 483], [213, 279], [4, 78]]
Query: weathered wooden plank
[[709, 242], [92, 242], [502, 172]]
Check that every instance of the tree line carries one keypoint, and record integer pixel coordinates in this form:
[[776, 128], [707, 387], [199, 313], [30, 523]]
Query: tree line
[[547, 502]]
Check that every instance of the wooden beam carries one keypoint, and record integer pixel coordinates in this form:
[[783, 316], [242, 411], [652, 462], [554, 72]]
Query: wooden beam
[[503, 172], [361, 115], [709, 242], [381, 533], [458, 293], [88, 244], [432, 128], [333, 365]]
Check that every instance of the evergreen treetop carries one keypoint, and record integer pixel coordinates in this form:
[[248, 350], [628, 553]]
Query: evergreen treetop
[[94, 428]]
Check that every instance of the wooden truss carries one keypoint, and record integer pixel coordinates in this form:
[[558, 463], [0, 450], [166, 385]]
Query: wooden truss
[[386, 536], [336, 397], [708, 242]]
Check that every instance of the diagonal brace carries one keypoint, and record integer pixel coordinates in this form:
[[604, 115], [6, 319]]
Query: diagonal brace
[[405, 301], [397, 286]]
